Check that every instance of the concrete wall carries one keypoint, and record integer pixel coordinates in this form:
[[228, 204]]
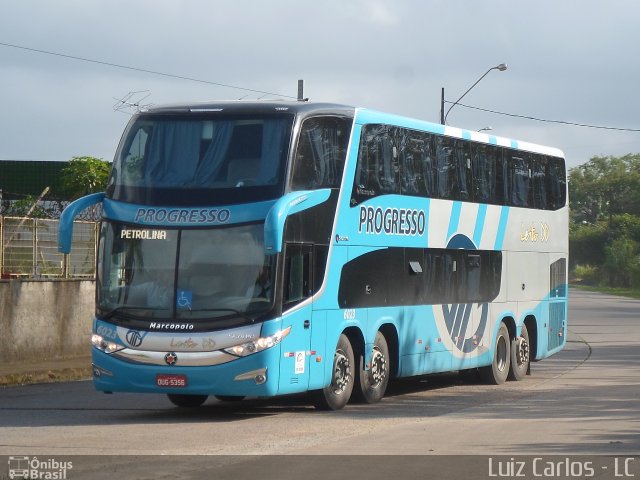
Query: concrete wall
[[43, 320]]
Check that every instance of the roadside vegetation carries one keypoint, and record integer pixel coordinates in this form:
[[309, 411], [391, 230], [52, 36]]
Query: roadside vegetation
[[80, 176], [604, 230]]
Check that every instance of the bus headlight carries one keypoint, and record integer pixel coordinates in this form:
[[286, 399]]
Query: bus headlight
[[262, 343], [104, 345]]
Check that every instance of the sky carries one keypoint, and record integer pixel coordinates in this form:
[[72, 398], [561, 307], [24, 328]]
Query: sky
[[572, 61]]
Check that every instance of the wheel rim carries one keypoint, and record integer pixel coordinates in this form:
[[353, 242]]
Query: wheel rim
[[378, 371], [501, 353], [341, 372], [522, 351]]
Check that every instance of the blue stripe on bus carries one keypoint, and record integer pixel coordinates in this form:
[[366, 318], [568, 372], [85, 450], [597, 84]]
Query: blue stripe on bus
[[493, 140], [466, 135], [365, 116], [502, 228], [514, 144], [477, 232], [455, 219]]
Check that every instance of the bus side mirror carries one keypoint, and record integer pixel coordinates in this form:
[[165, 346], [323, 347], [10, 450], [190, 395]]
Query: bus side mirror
[[290, 204], [65, 230]]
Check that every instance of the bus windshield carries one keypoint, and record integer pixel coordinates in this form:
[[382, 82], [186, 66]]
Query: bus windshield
[[174, 155], [184, 274]]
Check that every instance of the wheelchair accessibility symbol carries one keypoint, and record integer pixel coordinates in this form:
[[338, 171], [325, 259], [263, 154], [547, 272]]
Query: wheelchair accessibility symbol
[[184, 300]]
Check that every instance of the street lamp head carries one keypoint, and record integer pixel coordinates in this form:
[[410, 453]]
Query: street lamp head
[[443, 118]]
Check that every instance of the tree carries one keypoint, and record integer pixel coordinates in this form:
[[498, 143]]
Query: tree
[[603, 187], [621, 261], [85, 175], [605, 218]]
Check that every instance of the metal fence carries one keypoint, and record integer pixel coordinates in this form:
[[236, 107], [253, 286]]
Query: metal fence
[[29, 249]]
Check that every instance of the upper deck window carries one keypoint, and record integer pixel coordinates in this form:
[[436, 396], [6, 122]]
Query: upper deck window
[[170, 159], [401, 161], [321, 152]]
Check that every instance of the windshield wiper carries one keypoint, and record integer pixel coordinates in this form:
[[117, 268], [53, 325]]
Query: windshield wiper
[[122, 311]]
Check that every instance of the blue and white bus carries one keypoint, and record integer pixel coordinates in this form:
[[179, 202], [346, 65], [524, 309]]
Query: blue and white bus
[[269, 248]]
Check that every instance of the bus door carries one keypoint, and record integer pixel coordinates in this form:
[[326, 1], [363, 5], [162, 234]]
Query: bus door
[[297, 313]]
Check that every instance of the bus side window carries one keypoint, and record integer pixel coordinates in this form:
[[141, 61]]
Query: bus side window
[[492, 275], [538, 181], [502, 188], [417, 164], [377, 170], [454, 169], [556, 183], [298, 279], [321, 152], [472, 282], [486, 165], [441, 276], [519, 179]]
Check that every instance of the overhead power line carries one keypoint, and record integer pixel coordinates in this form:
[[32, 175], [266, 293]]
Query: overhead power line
[[562, 122], [143, 70], [263, 92]]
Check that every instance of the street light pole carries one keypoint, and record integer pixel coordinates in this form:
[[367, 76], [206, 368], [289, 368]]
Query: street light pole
[[443, 117], [442, 107]]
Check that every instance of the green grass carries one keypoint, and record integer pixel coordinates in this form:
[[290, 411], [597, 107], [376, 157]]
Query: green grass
[[622, 292]]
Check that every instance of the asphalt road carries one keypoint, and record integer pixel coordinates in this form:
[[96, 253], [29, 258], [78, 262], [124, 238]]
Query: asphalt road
[[583, 401]]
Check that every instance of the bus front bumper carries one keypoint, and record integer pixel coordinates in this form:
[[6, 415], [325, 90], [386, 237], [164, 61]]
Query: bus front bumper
[[254, 375]]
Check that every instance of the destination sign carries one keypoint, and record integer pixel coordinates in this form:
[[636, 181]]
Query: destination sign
[[136, 234]]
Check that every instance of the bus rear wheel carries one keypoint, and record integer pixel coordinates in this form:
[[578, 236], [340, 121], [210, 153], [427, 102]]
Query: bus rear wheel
[[373, 382], [337, 394], [520, 355], [187, 401], [497, 372]]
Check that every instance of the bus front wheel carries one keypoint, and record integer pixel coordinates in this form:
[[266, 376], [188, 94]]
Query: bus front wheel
[[520, 355], [187, 401], [497, 372], [337, 394], [373, 382]]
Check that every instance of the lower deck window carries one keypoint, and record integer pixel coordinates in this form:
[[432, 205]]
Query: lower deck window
[[408, 276]]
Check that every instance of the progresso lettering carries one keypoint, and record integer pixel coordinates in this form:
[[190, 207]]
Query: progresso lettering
[[392, 221], [183, 215]]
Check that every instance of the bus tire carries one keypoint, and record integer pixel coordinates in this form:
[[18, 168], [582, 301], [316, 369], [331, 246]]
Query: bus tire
[[336, 395], [373, 382], [497, 372], [520, 355], [187, 401]]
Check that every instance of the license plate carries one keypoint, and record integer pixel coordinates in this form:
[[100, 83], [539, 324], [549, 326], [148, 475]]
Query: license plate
[[171, 381]]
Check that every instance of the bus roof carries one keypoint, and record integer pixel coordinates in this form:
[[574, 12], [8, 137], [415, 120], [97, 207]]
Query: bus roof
[[257, 107], [362, 116]]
